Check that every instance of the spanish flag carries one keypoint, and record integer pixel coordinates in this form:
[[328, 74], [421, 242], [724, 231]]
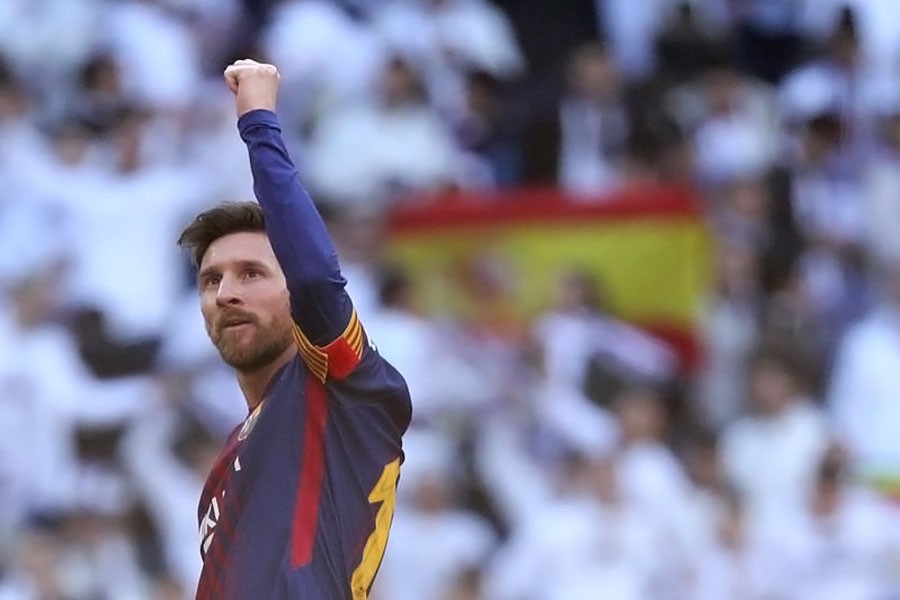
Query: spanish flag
[[496, 257]]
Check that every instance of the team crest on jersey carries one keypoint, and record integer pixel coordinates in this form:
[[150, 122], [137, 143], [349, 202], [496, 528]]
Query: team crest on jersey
[[249, 423]]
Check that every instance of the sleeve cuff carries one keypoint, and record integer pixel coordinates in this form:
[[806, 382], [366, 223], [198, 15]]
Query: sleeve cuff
[[255, 118]]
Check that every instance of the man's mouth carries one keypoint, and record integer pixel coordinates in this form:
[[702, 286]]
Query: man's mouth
[[235, 322]]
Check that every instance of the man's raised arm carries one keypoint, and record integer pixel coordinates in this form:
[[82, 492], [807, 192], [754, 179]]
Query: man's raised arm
[[319, 304]]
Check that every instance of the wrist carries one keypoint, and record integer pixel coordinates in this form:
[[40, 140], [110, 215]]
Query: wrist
[[250, 103]]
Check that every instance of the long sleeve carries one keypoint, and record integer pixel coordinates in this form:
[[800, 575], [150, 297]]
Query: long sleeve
[[319, 303]]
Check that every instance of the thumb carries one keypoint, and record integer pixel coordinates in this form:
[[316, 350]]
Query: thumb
[[231, 78]]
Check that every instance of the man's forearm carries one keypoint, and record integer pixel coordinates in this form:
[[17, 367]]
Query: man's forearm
[[296, 231]]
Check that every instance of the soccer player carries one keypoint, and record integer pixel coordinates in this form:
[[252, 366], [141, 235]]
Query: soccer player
[[299, 504]]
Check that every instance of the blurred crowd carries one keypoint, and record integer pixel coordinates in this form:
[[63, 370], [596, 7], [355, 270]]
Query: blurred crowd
[[578, 460]]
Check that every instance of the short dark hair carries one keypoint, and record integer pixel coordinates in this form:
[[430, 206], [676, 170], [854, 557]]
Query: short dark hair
[[222, 220]]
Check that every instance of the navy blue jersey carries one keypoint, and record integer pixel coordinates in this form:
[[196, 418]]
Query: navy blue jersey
[[299, 504]]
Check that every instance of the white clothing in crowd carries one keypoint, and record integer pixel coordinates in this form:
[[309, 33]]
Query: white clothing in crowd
[[321, 52], [864, 392], [772, 459], [574, 548], [363, 153], [143, 36], [841, 555], [445, 38], [429, 551]]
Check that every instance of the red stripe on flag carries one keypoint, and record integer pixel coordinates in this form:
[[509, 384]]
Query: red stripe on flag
[[682, 339], [544, 205], [306, 511]]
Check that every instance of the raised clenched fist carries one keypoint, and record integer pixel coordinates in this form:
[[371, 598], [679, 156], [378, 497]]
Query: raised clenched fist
[[255, 85]]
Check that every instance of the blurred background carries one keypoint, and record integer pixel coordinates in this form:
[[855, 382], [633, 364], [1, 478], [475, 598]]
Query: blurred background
[[639, 261]]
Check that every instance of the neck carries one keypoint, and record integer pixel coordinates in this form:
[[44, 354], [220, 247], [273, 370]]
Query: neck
[[255, 383]]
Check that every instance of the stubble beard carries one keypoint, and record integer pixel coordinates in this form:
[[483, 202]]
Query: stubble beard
[[263, 348]]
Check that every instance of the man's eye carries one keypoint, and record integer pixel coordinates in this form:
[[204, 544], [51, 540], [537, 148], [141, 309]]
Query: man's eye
[[252, 274], [212, 280]]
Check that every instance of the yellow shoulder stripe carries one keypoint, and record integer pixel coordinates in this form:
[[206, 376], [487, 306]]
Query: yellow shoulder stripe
[[314, 357]]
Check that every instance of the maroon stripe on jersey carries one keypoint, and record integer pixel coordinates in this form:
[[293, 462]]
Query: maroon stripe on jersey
[[231, 513], [306, 511], [219, 488]]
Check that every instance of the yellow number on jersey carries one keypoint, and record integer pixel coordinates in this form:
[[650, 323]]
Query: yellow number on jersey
[[385, 492]]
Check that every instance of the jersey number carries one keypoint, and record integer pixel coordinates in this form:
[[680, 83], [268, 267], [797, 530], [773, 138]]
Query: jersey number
[[385, 492]]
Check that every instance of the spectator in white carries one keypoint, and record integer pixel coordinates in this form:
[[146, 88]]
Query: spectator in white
[[706, 495], [360, 235], [737, 130], [99, 557], [648, 471], [729, 328], [563, 331], [865, 385], [325, 57], [740, 558], [219, 27], [844, 80], [824, 189], [434, 540], [592, 539], [878, 22], [654, 481], [771, 454], [212, 151], [565, 414], [143, 34], [447, 38], [133, 209], [520, 482], [37, 451], [375, 152], [23, 152], [828, 207], [837, 544], [409, 341], [580, 146], [882, 179], [33, 209], [48, 39], [406, 339], [578, 329]]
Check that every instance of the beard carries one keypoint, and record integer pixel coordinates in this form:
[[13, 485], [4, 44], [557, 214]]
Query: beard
[[253, 351]]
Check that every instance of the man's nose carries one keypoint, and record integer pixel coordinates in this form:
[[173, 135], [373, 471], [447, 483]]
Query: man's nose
[[228, 293]]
